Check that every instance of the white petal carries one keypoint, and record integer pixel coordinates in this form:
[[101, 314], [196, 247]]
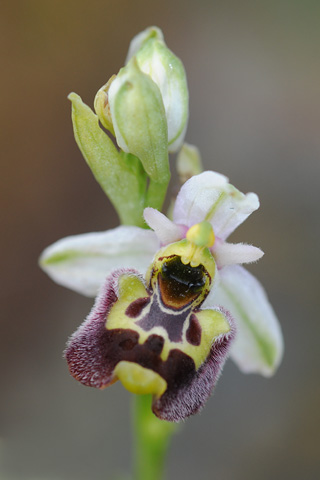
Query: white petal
[[235, 253], [82, 262], [166, 231], [258, 347], [197, 197], [210, 197]]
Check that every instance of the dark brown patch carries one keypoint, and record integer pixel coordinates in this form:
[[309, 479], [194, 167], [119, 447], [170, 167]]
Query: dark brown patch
[[128, 343], [155, 343], [135, 308], [93, 358], [193, 334]]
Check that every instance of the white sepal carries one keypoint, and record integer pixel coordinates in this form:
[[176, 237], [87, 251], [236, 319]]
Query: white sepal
[[82, 262], [258, 347]]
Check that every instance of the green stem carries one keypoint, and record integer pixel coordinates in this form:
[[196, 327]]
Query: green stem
[[156, 194], [151, 440]]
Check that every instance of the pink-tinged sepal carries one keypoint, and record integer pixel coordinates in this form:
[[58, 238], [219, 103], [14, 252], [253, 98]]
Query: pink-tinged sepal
[[209, 196]]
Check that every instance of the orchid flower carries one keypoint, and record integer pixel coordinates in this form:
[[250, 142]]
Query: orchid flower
[[152, 335], [163, 320]]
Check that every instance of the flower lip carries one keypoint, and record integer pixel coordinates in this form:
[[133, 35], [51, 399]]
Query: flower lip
[[162, 352]]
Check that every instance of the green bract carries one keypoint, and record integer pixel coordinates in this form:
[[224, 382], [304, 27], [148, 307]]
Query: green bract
[[120, 175]]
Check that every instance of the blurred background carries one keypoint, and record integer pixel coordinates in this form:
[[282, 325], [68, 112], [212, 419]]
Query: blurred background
[[253, 71]]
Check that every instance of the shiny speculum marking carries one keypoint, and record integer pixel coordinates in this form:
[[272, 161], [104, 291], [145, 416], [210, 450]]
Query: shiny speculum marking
[[180, 284]]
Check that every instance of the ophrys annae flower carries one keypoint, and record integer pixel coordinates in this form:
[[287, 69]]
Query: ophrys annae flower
[[189, 252]]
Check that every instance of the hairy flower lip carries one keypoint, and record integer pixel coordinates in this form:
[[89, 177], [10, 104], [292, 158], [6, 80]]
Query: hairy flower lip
[[96, 349]]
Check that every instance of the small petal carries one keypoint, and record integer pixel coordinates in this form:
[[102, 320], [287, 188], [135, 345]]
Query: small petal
[[165, 229], [210, 197], [235, 253], [258, 347], [82, 262]]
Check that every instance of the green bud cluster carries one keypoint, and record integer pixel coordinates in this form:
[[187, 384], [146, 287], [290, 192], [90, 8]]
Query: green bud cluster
[[144, 109]]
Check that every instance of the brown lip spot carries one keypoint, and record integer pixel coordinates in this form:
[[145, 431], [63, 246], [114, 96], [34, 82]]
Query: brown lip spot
[[136, 307], [155, 343], [193, 333], [128, 344]]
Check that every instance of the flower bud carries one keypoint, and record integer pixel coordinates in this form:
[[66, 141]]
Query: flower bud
[[167, 71], [188, 162], [102, 107], [139, 120]]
